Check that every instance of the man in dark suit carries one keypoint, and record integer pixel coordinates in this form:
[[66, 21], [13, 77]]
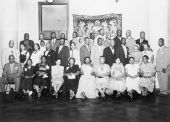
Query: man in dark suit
[[120, 53], [54, 42], [118, 38], [109, 53], [63, 53], [12, 73], [50, 55], [29, 44], [85, 50], [142, 40]]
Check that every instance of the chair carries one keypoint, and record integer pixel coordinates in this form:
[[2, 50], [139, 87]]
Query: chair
[[9, 85]]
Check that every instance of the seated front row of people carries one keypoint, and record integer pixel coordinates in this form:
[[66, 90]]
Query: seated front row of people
[[86, 81]]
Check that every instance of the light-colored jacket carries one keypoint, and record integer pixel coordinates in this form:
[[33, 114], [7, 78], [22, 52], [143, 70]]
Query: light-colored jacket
[[162, 58], [96, 52]]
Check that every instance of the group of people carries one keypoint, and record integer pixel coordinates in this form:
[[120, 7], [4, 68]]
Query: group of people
[[91, 67]]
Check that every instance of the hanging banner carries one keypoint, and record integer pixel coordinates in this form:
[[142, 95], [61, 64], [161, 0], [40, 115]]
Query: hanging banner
[[110, 23]]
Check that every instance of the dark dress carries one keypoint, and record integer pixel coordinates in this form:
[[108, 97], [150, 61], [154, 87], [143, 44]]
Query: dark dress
[[27, 83], [72, 84], [23, 57], [42, 80]]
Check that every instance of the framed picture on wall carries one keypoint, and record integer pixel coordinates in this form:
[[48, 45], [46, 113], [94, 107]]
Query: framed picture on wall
[[53, 17]]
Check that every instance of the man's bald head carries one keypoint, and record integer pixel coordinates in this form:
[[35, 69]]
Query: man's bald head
[[11, 43]]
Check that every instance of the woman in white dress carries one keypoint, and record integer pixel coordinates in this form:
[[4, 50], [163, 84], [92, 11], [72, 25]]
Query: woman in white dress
[[132, 77], [147, 80], [102, 72], [117, 79], [147, 51], [75, 53], [87, 86], [36, 55], [57, 73]]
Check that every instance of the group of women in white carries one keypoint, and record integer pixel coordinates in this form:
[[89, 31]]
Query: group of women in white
[[104, 79]]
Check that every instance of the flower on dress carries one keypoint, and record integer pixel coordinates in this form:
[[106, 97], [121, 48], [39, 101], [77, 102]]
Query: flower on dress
[[67, 68], [25, 69], [47, 67]]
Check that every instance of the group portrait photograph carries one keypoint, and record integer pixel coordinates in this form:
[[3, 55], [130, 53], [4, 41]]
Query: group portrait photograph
[[84, 60]]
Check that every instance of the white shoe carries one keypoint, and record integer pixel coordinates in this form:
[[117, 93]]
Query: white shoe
[[30, 93]]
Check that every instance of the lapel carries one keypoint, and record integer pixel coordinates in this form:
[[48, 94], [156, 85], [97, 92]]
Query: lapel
[[87, 48], [110, 50], [61, 49], [49, 53]]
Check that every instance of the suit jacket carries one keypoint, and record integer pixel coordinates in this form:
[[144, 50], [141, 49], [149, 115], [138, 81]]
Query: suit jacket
[[109, 56], [141, 43], [29, 46], [15, 72], [162, 58], [54, 45], [64, 55], [95, 54], [51, 58], [117, 42], [119, 53], [84, 52]]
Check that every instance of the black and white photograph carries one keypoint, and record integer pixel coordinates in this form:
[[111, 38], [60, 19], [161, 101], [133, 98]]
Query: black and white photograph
[[84, 60]]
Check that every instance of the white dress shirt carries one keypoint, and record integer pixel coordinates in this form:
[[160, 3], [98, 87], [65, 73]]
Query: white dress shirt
[[112, 49], [125, 50], [60, 48], [35, 57]]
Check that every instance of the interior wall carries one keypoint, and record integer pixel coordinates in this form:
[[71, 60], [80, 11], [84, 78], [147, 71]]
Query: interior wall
[[8, 22], [133, 20], [169, 23], [28, 19], [134, 12]]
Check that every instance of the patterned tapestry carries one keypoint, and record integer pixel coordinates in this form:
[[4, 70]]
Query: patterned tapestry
[[84, 25]]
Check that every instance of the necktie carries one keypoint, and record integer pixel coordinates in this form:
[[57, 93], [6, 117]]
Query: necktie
[[72, 53], [12, 53], [89, 49], [11, 67]]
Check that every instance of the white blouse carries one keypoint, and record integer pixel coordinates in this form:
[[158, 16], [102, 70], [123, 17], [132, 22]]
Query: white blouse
[[36, 57]]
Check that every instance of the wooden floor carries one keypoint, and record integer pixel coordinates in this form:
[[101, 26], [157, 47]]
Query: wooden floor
[[153, 109]]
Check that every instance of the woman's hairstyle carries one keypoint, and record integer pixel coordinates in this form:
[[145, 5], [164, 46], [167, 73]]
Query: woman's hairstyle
[[59, 59], [147, 45], [37, 45], [162, 40], [72, 59], [20, 46], [87, 58], [62, 37], [123, 38], [132, 58], [75, 33], [145, 56], [119, 59], [136, 45], [44, 57], [29, 60], [71, 42]]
